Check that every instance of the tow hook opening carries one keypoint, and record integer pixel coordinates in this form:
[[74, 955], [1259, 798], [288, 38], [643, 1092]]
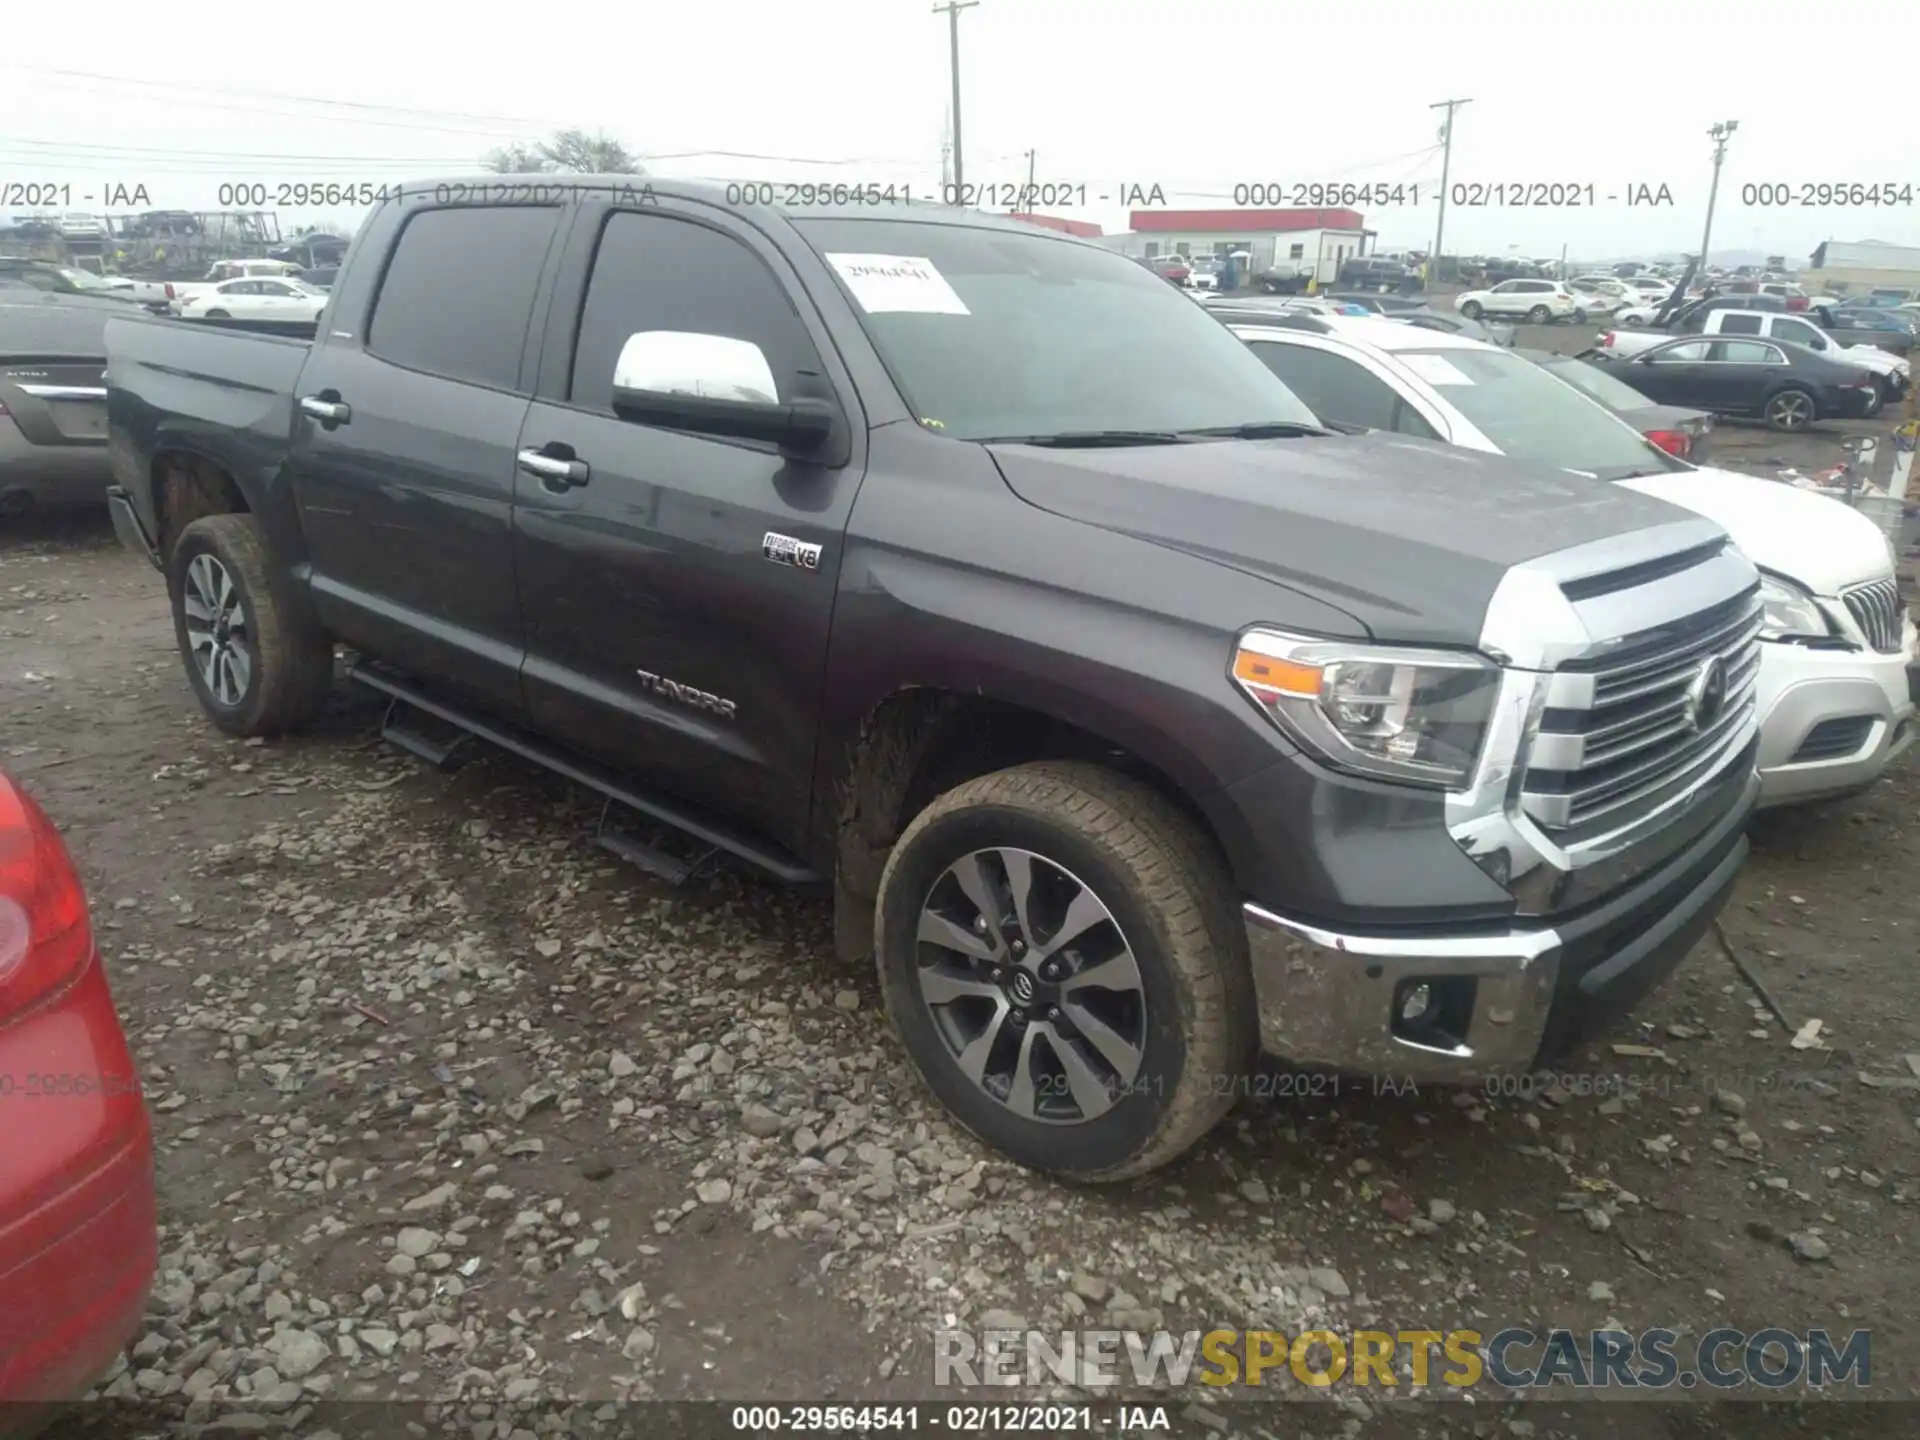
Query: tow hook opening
[[1434, 1011]]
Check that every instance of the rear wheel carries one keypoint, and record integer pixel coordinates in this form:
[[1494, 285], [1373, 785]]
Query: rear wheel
[[256, 668], [1791, 410], [1539, 315], [1472, 310], [1062, 955]]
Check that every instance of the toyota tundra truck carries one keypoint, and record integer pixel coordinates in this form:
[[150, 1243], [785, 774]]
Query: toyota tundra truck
[[1136, 722]]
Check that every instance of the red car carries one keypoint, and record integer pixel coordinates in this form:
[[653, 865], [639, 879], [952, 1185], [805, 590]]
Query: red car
[[77, 1234]]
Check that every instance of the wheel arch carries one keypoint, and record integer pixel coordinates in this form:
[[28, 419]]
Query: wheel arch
[[919, 742]]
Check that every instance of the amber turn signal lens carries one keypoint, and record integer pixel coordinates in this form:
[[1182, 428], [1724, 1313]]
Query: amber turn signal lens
[[1282, 677]]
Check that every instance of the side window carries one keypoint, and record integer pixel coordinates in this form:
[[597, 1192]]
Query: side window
[[653, 272], [458, 292], [1747, 352], [1741, 325], [1333, 387], [1506, 287], [1799, 332], [1296, 252], [1682, 354]]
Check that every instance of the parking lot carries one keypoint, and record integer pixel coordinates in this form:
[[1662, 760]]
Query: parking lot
[[493, 1115]]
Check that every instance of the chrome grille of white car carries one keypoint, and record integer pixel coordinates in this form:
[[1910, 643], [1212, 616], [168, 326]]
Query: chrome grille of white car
[[1877, 610], [1624, 731]]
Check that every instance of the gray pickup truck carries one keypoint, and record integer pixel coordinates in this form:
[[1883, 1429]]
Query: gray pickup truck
[[1135, 721]]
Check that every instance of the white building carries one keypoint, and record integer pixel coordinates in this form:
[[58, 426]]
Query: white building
[[1322, 238]]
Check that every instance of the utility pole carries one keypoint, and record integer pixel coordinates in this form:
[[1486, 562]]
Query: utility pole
[[952, 9], [1446, 169], [1718, 134]]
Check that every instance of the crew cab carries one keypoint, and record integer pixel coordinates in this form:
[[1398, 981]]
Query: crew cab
[[1136, 721], [1892, 374], [1837, 644]]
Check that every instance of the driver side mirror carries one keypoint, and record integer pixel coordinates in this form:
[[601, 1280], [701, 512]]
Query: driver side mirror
[[713, 385]]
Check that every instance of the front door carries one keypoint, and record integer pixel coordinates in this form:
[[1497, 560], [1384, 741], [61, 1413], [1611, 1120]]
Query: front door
[[1677, 375], [678, 601], [403, 449]]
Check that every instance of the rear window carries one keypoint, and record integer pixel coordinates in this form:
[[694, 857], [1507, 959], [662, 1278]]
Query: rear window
[[1531, 415], [458, 293]]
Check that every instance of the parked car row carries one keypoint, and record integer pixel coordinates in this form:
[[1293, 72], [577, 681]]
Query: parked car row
[[1828, 571]]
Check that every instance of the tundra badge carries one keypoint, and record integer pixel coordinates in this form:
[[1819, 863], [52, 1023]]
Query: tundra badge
[[687, 695], [785, 550]]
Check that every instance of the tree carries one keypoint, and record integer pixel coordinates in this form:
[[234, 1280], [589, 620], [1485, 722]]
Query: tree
[[572, 150]]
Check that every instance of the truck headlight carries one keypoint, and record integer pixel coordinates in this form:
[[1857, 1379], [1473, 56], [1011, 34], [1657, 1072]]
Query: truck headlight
[[1789, 613], [1416, 716]]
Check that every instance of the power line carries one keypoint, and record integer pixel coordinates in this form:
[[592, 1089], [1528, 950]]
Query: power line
[[492, 118]]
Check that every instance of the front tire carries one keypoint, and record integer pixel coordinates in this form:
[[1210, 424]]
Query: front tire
[[256, 667], [1062, 956], [1472, 310], [1540, 315]]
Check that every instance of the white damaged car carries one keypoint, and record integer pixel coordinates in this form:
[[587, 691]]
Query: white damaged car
[[1833, 691]]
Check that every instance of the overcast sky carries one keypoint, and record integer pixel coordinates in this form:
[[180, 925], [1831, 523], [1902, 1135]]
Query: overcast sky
[[1196, 99]]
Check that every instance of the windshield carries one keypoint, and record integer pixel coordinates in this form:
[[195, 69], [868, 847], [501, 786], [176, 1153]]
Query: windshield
[[1531, 415], [84, 280], [1003, 334]]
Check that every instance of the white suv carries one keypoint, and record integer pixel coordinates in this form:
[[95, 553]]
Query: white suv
[[1540, 301], [1832, 692]]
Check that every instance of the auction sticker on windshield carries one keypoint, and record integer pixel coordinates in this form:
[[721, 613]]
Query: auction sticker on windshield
[[910, 283], [1436, 369]]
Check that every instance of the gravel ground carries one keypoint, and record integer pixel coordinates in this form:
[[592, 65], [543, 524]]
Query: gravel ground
[[451, 1105]]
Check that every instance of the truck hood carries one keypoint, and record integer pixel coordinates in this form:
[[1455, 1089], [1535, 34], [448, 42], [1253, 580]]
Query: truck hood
[[1814, 540], [1409, 537]]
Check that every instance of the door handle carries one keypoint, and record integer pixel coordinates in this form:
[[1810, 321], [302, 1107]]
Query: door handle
[[556, 474], [331, 411]]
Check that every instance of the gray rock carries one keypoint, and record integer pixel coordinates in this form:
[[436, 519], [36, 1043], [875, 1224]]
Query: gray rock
[[1441, 1212], [1255, 1192], [1599, 1290], [378, 1339], [759, 1121], [433, 1199], [298, 1353], [416, 1242], [1089, 1287], [621, 1065], [639, 1344], [1729, 1103], [714, 1192], [1806, 1246], [1001, 1320], [1329, 1280], [1598, 1221]]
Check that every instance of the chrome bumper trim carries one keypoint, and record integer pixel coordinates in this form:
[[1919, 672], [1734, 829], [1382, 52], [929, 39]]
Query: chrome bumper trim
[[1325, 999]]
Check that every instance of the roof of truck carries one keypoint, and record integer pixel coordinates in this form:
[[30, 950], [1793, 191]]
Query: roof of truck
[[639, 187]]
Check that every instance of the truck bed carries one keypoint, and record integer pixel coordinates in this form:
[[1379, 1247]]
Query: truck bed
[[223, 389]]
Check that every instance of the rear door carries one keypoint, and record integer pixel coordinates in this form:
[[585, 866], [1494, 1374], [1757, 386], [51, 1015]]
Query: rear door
[[403, 452], [1739, 373], [679, 590]]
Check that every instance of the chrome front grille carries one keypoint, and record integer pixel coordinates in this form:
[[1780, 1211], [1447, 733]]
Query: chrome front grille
[[1876, 609], [1624, 731]]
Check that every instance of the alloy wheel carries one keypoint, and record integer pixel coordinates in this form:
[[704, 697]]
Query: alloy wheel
[[218, 636], [1031, 985], [1791, 411]]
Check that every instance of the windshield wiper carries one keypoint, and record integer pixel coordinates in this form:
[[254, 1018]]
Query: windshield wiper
[[1091, 439], [1264, 430]]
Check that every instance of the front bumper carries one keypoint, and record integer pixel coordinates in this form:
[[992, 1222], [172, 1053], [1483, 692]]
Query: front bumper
[[1526, 995], [1831, 721]]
